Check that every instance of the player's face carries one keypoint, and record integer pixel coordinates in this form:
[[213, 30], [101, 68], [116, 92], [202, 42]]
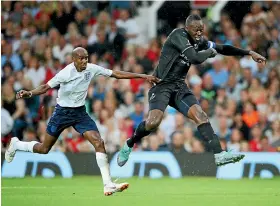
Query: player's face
[[196, 29], [81, 61]]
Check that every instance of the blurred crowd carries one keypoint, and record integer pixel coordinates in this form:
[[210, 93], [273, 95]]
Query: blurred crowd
[[241, 97]]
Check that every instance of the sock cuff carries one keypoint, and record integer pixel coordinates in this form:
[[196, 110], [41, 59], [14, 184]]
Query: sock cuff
[[31, 145], [203, 125], [101, 155]]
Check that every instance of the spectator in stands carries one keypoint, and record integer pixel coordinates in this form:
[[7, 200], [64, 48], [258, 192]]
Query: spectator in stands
[[15, 108], [188, 139], [130, 27], [273, 58], [153, 143], [32, 104], [235, 140], [247, 78], [239, 124], [127, 107], [209, 90], [101, 46], [244, 146], [17, 13], [13, 58], [103, 23], [143, 60], [250, 115], [255, 139], [7, 121], [177, 143], [179, 122], [273, 134], [262, 73], [7, 71], [29, 135], [117, 40], [26, 21], [223, 129], [257, 93], [232, 88], [265, 146], [248, 62], [219, 73], [35, 72], [138, 115], [62, 49], [197, 147]]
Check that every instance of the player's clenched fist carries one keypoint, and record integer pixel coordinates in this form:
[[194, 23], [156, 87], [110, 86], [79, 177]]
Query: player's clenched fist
[[23, 94], [257, 57]]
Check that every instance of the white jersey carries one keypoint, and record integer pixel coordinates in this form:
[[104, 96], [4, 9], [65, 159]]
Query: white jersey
[[74, 85]]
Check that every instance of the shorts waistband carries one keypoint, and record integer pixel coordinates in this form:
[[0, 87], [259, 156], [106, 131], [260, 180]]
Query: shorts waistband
[[74, 108]]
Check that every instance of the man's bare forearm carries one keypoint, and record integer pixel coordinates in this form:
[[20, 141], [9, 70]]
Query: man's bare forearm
[[126, 75], [40, 90]]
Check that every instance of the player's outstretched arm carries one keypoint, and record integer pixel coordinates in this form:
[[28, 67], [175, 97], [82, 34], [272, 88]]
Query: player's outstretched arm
[[199, 57], [229, 50], [27, 94], [130, 75]]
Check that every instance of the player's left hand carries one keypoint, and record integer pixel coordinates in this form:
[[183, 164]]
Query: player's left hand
[[257, 57], [152, 79]]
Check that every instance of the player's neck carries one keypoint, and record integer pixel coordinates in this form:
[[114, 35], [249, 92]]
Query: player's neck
[[77, 68]]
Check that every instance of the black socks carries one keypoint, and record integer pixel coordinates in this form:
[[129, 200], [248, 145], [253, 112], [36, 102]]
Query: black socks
[[211, 139], [139, 133]]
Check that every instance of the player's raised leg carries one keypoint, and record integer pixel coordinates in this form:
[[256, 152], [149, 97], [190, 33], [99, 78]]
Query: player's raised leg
[[34, 147], [187, 104], [144, 128], [212, 140]]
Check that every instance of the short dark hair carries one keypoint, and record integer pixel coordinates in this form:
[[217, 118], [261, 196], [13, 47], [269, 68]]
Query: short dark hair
[[191, 18]]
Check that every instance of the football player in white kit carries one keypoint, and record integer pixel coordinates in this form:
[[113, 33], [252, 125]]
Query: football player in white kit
[[70, 110]]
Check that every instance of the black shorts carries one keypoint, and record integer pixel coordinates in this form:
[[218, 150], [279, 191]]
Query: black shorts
[[175, 94]]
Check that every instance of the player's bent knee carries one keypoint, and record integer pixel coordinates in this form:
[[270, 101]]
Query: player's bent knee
[[98, 142], [153, 124], [202, 118]]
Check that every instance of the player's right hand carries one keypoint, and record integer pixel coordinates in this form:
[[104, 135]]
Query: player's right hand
[[214, 52], [152, 79], [23, 94]]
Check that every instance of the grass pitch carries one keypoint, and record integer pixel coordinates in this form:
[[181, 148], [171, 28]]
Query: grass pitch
[[192, 191]]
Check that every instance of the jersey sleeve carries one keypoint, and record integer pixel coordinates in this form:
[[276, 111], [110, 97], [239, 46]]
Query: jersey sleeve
[[57, 79], [100, 71], [180, 40], [205, 44]]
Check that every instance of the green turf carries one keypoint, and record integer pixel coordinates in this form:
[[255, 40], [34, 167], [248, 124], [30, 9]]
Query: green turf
[[84, 191]]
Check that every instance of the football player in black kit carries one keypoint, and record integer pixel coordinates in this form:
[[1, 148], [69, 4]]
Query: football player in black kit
[[183, 47]]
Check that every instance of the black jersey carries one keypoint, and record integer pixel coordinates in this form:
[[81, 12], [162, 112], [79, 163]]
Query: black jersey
[[173, 62]]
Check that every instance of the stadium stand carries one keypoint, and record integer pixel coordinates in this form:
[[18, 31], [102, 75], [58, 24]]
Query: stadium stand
[[241, 97]]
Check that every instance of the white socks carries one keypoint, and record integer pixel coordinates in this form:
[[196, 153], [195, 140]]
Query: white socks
[[25, 146], [102, 162]]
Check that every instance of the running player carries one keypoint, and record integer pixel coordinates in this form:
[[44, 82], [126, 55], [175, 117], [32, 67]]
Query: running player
[[70, 110]]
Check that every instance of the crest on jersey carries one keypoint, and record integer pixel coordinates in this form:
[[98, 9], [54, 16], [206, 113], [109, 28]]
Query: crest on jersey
[[87, 76]]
